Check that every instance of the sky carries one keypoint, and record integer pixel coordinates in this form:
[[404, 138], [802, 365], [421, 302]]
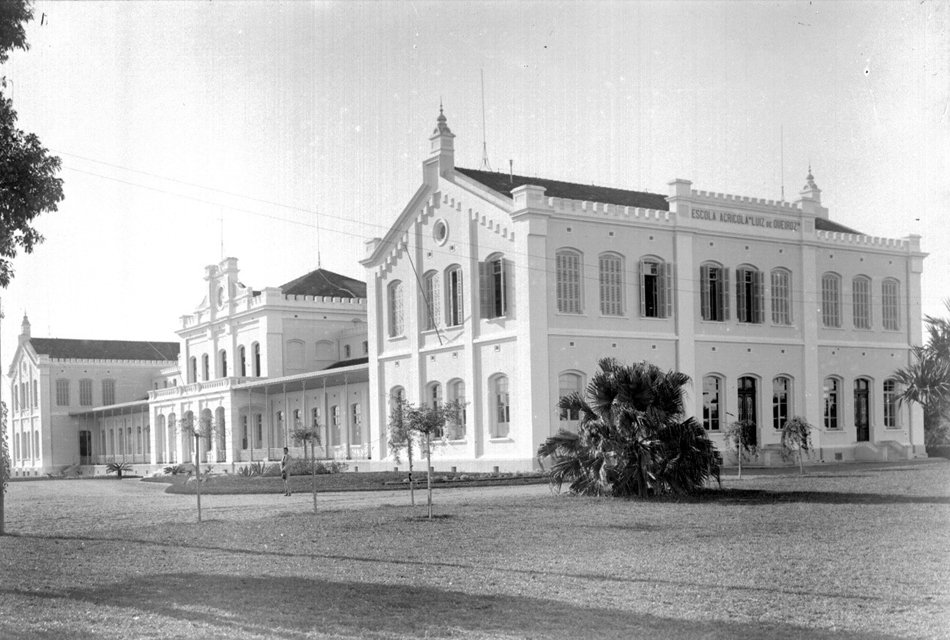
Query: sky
[[287, 133]]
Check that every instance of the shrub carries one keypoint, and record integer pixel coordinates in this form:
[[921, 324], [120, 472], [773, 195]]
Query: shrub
[[175, 470], [939, 451], [119, 468]]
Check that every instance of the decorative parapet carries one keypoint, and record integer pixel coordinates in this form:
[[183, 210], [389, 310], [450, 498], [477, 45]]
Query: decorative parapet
[[730, 199], [196, 387], [856, 239], [601, 209]]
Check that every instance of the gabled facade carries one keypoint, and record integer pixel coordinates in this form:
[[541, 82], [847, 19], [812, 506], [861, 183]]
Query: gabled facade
[[505, 291]]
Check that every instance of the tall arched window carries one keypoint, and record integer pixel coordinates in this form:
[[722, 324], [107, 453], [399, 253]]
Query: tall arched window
[[750, 296], [611, 284], [494, 287], [568, 281], [781, 401], [205, 367], [256, 353], [223, 363], [831, 300], [192, 369], [501, 407], [891, 404], [781, 296], [862, 409], [432, 300], [832, 391], [568, 383], [748, 399], [356, 424], [861, 302], [396, 315], [890, 304], [242, 355], [712, 403], [656, 288], [454, 300], [457, 394], [108, 392], [714, 292]]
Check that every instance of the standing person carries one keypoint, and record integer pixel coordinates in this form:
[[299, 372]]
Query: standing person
[[285, 471]]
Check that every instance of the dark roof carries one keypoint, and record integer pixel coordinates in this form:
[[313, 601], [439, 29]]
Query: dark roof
[[504, 183], [352, 362], [68, 349], [827, 225], [325, 283]]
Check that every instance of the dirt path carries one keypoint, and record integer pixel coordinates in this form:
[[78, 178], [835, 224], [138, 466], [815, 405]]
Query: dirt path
[[67, 506]]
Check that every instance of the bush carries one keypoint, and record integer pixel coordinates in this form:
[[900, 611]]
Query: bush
[[939, 451], [175, 470], [299, 467], [119, 468]]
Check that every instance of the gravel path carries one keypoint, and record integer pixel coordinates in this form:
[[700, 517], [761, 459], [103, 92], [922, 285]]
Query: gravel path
[[67, 506]]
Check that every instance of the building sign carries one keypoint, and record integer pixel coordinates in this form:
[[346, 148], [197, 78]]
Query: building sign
[[746, 219]]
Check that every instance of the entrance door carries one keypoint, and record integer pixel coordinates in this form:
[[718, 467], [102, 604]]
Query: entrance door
[[861, 418], [85, 447], [747, 399]]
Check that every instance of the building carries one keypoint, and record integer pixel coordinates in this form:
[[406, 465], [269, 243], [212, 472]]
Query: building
[[504, 291], [52, 378], [251, 364]]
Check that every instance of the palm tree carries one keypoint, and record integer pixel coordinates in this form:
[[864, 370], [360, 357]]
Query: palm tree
[[927, 380], [633, 437]]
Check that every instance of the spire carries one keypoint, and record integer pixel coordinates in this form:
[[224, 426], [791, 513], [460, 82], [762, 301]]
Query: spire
[[811, 189], [441, 128], [25, 329], [443, 145]]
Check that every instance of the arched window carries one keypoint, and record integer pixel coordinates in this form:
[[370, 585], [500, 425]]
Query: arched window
[[205, 367], [242, 356], [891, 395], [750, 296], [568, 384], [356, 424], [396, 314], [862, 409], [568, 281], [656, 288], [831, 300], [335, 425], [365, 347], [714, 292], [434, 394], [85, 393], [781, 296], [611, 284], [832, 390], [62, 393], [781, 401], [295, 354], [861, 302], [494, 286], [712, 403], [454, 301], [457, 394], [346, 351], [223, 363], [192, 369], [432, 300], [890, 304], [244, 432], [501, 407], [108, 392], [256, 353]]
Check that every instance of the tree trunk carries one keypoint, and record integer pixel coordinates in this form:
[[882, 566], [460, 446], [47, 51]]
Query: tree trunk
[[3, 463], [739, 451], [198, 474], [429, 472], [313, 470], [801, 465], [412, 489]]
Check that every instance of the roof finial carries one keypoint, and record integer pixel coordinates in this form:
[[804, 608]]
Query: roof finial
[[441, 126]]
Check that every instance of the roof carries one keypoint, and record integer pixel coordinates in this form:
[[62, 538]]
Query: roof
[[69, 349], [504, 183], [323, 283], [827, 225], [352, 362]]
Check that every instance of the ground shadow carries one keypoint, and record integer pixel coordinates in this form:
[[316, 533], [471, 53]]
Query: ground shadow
[[295, 607], [769, 497]]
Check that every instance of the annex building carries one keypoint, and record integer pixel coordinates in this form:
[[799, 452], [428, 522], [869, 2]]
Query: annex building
[[504, 292]]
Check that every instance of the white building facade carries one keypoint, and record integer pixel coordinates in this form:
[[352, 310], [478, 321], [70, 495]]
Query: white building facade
[[505, 291]]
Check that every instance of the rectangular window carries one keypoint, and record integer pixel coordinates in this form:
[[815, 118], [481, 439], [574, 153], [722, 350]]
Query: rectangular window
[[711, 398], [861, 297], [259, 430], [85, 393], [749, 296], [831, 403], [335, 425], [779, 402], [108, 392], [781, 297], [244, 432], [494, 276], [62, 393], [456, 304], [611, 285], [714, 292], [656, 289], [356, 424], [568, 280], [890, 297], [830, 300], [890, 404]]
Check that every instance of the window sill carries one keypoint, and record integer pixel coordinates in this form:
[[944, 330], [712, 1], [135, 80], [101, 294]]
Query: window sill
[[462, 441], [500, 439], [655, 318]]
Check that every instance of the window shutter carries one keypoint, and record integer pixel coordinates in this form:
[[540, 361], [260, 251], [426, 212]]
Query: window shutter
[[485, 289], [742, 275], [759, 288], [724, 293], [666, 289], [460, 298], [703, 291], [505, 268], [643, 289]]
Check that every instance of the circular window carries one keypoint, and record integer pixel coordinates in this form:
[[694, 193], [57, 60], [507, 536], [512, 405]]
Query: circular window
[[440, 231]]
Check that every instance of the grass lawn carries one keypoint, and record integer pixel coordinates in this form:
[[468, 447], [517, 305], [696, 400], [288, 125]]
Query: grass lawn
[[856, 551]]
